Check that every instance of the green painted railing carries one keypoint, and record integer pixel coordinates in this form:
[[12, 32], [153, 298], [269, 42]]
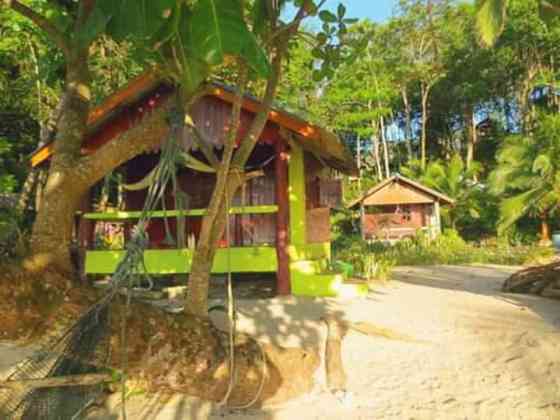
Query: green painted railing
[[129, 215], [256, 259]]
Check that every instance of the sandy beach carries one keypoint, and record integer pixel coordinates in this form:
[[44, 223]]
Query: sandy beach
[[472, 353]]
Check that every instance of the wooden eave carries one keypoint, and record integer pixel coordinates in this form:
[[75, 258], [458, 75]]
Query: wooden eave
[[314, 137], [399, 178], [100, 114]]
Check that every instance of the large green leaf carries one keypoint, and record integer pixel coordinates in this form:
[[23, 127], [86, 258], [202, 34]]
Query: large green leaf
[[136, 18], [194, 70], [171, 28], [259, 16], [542, 164], [95, 25], [549, 10], [514, 208], [218, 29], [490, 20]]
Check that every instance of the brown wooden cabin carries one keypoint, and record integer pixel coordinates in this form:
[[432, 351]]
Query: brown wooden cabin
[[399, 208], [280, 221]]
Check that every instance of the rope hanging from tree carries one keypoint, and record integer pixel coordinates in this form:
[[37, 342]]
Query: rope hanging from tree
[[84, 348], [232, 318]]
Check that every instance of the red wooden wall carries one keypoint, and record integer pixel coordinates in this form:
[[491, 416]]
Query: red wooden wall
[[211, 115], [407, 220]]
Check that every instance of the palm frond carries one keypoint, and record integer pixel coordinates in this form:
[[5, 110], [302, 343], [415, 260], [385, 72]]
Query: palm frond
[[514, 208], [474, 170], [490, 19], [455, 174], [549, 10], [435, 176], [542, 164]]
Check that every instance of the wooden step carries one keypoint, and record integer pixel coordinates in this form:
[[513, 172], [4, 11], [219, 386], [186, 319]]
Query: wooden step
[[326, 285]]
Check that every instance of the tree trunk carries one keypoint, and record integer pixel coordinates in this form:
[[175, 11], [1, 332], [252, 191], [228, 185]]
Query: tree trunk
[[408, 122], [376, 156], [216, 217], [359, 162], [375, 144], [230, 174], [385, 148], [213, 226], [545, 232], [212, 230], [52, 230], [524, 91], [425, 90], [71, 175], [27, 190], [336, 376], [36, 178], [472, 137], [41, 181]]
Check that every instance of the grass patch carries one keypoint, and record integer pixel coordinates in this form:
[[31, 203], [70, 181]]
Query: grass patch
[[375, 260]]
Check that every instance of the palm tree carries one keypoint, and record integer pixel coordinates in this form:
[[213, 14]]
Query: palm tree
[[455, 180], [528, 172], [492, 14]]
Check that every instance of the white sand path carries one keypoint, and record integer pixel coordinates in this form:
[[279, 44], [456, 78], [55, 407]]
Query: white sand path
[[479, 354]]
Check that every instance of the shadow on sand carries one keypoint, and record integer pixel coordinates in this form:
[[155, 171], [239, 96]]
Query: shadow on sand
[[281, 321], [484, 280]]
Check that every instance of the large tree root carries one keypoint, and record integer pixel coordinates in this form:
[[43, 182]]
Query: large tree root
[[336, 376], [174, 353], [182, 354], [543, 280]]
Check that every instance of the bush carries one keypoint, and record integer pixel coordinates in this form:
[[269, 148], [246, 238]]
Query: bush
[[450, 248], [376, 260], [14, 235], [363, 257]]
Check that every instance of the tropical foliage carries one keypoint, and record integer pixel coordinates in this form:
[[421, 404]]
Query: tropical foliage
[[455, 180], [415, 95], [492, 15], [422, 80], [528, 173], [448, 248]]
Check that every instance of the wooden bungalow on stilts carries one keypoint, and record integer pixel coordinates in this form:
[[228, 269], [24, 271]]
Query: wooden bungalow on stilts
[[399, 208], [279, 221]]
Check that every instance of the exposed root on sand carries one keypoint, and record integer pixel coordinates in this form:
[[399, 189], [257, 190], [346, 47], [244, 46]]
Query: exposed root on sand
[[173, 353], [543, 280]]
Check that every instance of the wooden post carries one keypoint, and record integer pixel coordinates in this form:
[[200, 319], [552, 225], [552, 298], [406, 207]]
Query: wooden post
[[438, 217], [282, 217], [362, 220], [86, 228], [85, 234], [297, 194], [336, 377], [362, 210]]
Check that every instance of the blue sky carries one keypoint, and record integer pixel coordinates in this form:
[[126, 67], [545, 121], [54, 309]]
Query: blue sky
[[376, 10]]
